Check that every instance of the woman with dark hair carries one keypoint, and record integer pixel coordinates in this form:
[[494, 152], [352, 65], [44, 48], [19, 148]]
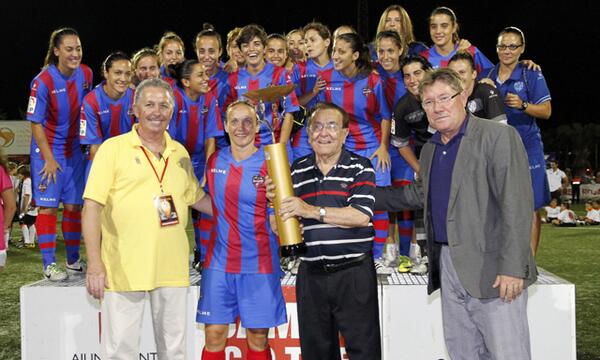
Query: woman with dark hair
[[526, 98], [443, 28], [353, 86], [171, 51], [107, 110], [307, 77], [194, 124], [7, 208], [276, 51], [57, 163]]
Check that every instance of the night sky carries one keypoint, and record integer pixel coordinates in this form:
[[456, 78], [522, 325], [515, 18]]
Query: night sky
[[563, 40]]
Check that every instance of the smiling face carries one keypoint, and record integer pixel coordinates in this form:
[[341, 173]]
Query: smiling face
[[198, 81], [208, 52], [329, 139], [118, 77], [242, 125], [147, 68], [466, 73], [388, 54], [441, 28], [69, 53], [253, 52], [413, 73], [172, 53], [507, 56], [343, 56], [276, 52], [154, 110]]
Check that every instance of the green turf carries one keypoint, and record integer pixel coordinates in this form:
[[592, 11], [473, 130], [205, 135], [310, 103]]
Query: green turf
[[567, 252]]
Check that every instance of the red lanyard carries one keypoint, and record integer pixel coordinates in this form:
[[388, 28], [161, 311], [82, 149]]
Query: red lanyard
[[160, 179]]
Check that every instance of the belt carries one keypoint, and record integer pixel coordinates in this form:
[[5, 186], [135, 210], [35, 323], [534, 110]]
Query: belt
[[330, 267]]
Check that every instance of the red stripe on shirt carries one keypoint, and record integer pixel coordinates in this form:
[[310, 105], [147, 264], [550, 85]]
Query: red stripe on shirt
[[193, 128], [74, 107], [115, 120], [369, 183], [234, 241], [373, 107], [52, 117], [210, 180], [331, 192], [353, 126], [263, 240]]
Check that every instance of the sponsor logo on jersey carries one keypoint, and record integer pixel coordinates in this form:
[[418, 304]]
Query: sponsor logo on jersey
[[519, 85], [258, 180], [333, 88], [82, 127], [218, 171], [31, 105], [472, 106], [101, 112], [58, 91], [204, 110]]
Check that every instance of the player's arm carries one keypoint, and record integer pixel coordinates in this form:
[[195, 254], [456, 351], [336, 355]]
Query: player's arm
[[383, 151], [409, 155], [50, 164], [204, 205], [95, 279]]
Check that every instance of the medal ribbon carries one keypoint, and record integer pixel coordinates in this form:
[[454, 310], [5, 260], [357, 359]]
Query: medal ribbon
[[160, 179]]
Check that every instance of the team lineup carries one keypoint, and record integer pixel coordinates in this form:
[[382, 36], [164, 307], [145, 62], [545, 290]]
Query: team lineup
[[395, 149]]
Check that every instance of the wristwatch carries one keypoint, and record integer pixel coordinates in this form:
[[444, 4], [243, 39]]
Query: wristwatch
[[322, 213], [524, 105]]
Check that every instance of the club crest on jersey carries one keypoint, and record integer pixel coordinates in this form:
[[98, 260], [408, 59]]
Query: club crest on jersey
[[472, 106], [258, 180], [204, 110], [367, 91], [519, 86], [42, 187]]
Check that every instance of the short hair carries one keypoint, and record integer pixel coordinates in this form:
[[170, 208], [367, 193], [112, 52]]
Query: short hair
[[241, 102], [328, 106], [445, 75], [321, 29], [154, 83], [463, 55], [276, 36], [425, 64], [249, 32]]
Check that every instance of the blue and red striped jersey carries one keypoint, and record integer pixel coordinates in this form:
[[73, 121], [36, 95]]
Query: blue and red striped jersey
[[241, 241], [194, 122], [364, 100], [102, 117], [241, 81], [482, 63], [393, 85], [218, 90], [55, 102], [166, 77]]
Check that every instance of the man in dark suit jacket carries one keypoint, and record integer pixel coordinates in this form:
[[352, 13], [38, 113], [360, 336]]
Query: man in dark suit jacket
[[477, 198]]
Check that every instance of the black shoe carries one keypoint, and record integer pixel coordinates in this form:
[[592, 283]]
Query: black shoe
[[197, 263]]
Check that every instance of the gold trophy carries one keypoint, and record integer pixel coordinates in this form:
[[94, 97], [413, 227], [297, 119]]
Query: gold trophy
[[278, 167]]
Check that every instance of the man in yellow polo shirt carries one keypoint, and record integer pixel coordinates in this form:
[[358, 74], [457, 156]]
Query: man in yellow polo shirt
[[135, 213]]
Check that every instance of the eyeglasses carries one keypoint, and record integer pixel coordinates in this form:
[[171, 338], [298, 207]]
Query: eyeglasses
[[442, 100], [511, 47], [318, 127]]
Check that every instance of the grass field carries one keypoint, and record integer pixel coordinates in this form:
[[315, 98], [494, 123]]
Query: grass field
[[571, 253]]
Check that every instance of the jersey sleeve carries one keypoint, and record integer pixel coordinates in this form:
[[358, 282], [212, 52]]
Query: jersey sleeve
[[37, 107], [493, 105], [102, 173], [538, 91], [296, 76], [482, 63], [291, 101], [213, 118], [399, 127], [90, 131], [361, 192]]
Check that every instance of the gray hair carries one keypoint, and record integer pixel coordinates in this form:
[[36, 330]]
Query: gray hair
[[154, 83], [445, 75]]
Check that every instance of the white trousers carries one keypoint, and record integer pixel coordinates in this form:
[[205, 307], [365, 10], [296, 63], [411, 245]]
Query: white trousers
[[122, 314]]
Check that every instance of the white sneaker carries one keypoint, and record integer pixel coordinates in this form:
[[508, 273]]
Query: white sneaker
[[381, 269], [77, 268], [2, 258], [390, 256], [414, 252], [53, 273], [420, 268]]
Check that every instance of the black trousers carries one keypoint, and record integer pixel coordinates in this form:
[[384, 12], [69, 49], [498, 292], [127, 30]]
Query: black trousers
[[346, 301]]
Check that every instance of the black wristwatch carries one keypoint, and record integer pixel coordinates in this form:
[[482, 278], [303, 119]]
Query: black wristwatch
[[524, 105]]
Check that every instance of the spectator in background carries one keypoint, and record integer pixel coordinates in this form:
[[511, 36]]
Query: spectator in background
[[27, 212], [566, 217], [9, 205], [557, 180], [597, 178], [592, 216], [552, 211]]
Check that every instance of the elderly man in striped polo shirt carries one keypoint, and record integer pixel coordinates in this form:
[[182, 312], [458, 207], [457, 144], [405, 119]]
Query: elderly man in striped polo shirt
[[336, 288]]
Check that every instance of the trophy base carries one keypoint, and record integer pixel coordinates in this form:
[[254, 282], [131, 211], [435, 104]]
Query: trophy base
[[293, 250]]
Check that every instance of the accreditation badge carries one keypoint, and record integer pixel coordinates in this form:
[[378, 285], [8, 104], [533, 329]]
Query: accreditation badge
[[165, 206]]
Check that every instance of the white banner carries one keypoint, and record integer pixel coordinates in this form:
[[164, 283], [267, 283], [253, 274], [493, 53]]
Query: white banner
[[589, 191], [15, 137]]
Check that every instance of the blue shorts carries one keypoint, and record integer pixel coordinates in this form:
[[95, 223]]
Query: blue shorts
[[256, 298], [401, 170], [382, 178], [69, 184]]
